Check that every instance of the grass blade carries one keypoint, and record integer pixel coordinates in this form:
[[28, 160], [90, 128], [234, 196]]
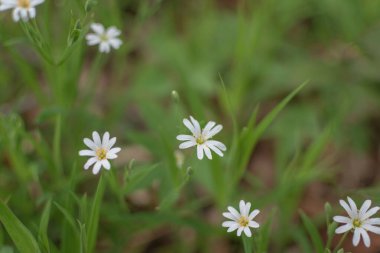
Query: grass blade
[[21, 236]]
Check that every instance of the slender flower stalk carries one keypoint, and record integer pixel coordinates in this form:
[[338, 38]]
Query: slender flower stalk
[[359, 221], [22, 9], [100, 151], [241, 221], [202, 138]]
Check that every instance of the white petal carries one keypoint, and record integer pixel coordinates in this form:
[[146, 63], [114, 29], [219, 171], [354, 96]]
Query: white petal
[[114, 150], [343, 229], [371, 228], [96, 139], [213, 148], [228, 224], [196, 125], [370, 212], [214, 131], [253, 214], [90, 162], [113, 32], [365, 236], [104, 47], [185, 137], [92, 39], [239, 231], [189, 126], [247, 232], [16, 14], [97, 167], [87, 152], [234, 212], [347, 208], [354, 209], [200, 152], [5, 6], [247, 207], [217, 144], [253, 224], [32, 12], [208, 127], [98, 28], [89, 143], [115, 43], [364, 208], [233, 227], [105, 139], [342, 219], [242, 207], [187, 144], [106, 164], [356, 238], [111, 142], [111, 155], [372, 221], [207, 152], [229, 216], [24, 14]]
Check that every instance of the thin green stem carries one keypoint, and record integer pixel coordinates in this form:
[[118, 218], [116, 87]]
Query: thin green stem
[[247, 243], [57, 145], [340, 242]]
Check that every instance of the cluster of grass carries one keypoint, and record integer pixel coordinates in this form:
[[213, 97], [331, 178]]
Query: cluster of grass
[[239, 63]]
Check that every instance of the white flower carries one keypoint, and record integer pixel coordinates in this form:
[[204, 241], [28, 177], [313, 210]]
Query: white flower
[[100, 151], [241, 221], [358, 221], [22, 9], [106, 38], [201, 138]]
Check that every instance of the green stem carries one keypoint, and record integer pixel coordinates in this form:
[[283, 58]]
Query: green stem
[[57, 145], [247, 243], [340, 242]]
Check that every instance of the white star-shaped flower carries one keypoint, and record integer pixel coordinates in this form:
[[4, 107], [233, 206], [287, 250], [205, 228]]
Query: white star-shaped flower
[[106, 38], [243, 220], [100, 151], [202, 138], [358, 221], [22, 9]]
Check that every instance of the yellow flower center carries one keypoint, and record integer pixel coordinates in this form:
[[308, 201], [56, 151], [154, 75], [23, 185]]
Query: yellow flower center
[[103, 37], [357, 223], [243, 221], [101, 153], [200, 140], [23, 4]]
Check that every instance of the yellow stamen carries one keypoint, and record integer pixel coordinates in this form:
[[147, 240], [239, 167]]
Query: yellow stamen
[[357, 223], [200, 140], [103, 37], [101, 153], [24, 4], [243, 221]]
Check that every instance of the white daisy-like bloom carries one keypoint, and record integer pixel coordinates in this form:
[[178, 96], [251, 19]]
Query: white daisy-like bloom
[[101, 150], [106, 38], [202, 138], [358, 221], [22, 9], [243, 220]]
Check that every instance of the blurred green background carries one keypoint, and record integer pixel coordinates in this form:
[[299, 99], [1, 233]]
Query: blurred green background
[[225, 60]]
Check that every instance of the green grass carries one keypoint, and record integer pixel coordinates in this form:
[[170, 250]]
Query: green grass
[[295, 84]]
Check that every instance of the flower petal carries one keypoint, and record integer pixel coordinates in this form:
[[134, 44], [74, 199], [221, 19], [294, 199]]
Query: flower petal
[[371, 228], [253, 224], [356, 238], [370, 212], [215, 149], [87, 152], [90, 162], [343, 229], [200, 152], [239, 231], [367, 241], [354, 209], [96, 138], [105, 139], [217, 144], [97, 167], [347, 209], [114, 150], [89, 143], [185, 137], [233, 227], [98, 28], [234, 212], [115, 43], [372, 221], [342, 219], [253, 214], [214, 131], [187, 144], [242, 207], [189, 126], [364, 208], [106, 164], [113, 32], [207, 152], [196, 125], [228, 224], [229, 216], [247, 232]]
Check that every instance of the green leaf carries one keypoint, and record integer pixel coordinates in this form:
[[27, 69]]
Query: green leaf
[[247, 243], [313, 233], [92, 223], [21, 236], [43, 237]]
